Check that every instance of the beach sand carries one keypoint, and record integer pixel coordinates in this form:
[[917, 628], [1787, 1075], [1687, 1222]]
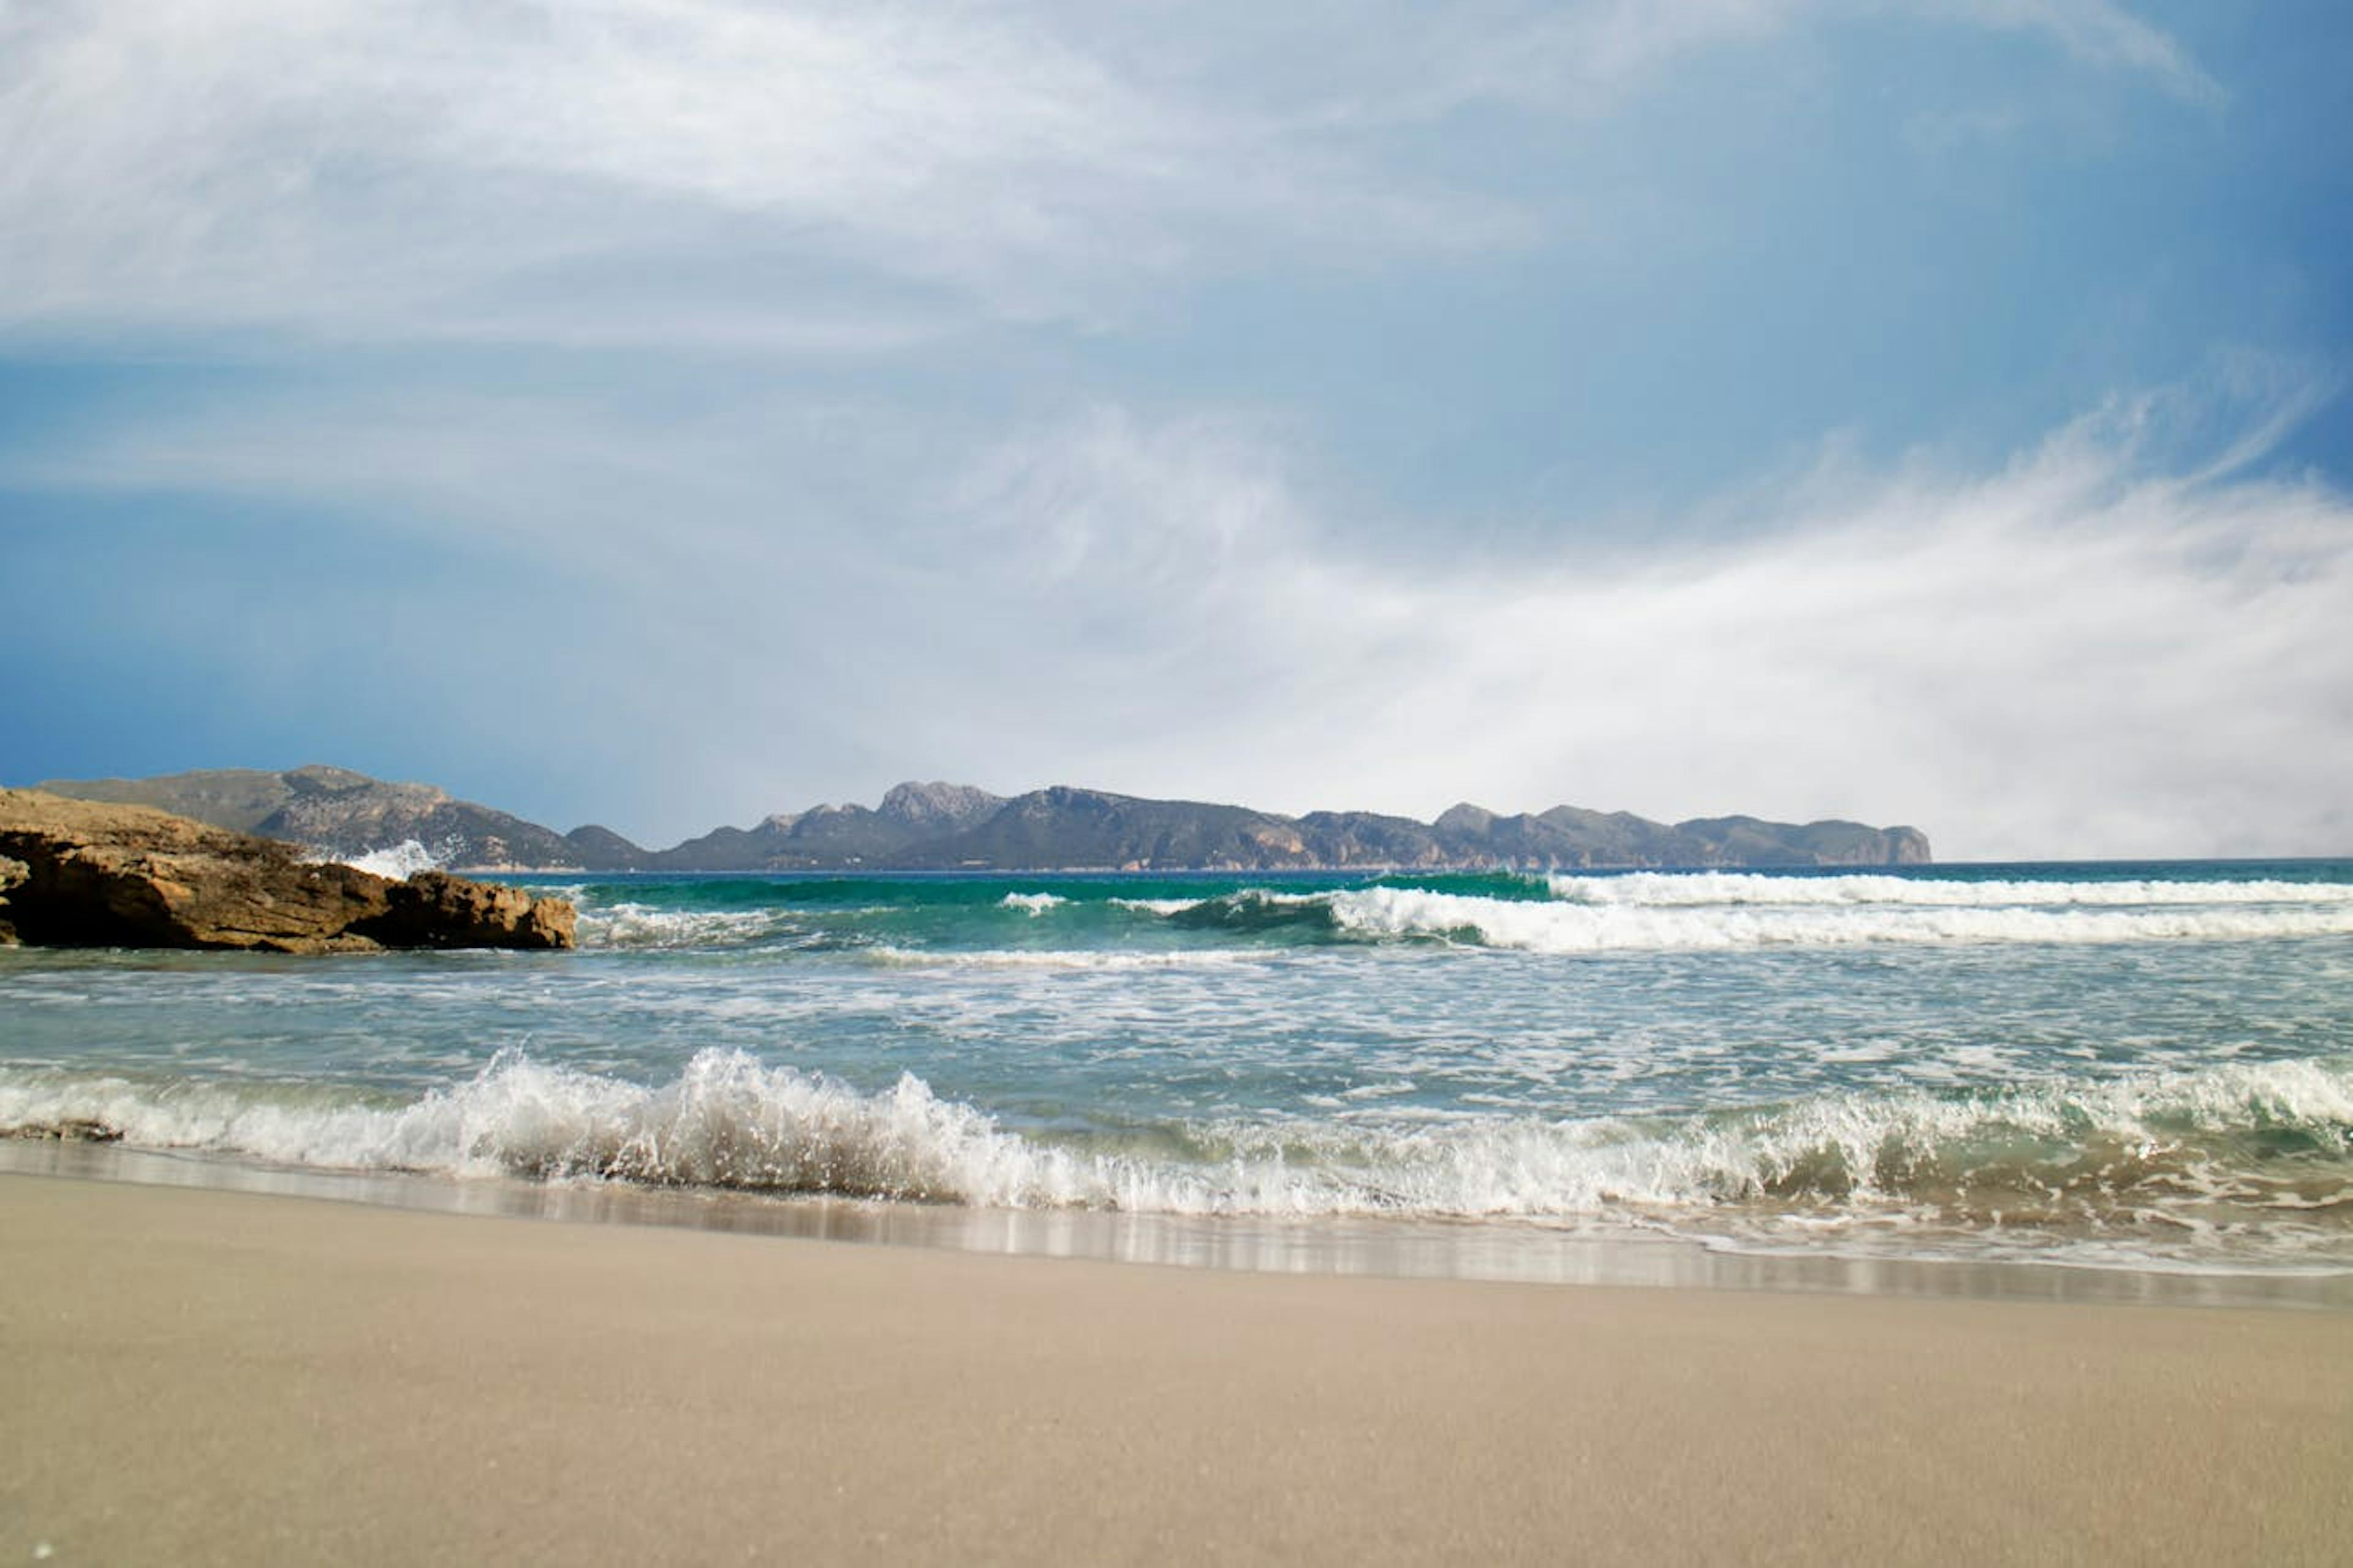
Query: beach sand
[[195, 1376]]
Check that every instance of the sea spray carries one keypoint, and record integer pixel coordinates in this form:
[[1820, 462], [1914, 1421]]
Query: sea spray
[[1690, 889], [1032, 904], [1582, 928], [2160, 1159], [398, 861]]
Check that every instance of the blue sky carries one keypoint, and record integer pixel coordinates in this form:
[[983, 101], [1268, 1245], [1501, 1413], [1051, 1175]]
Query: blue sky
[[666, 412]]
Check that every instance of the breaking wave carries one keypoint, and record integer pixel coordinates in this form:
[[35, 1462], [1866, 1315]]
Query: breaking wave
[[1710, 912], [1680, 890], [400, 861], [1156, 906], [2230, 1166], [635, 925], [1564, 927], [952, 921], [1032, 904]]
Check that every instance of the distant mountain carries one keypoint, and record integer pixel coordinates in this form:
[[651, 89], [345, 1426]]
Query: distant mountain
[[944, 827], [911, 817]]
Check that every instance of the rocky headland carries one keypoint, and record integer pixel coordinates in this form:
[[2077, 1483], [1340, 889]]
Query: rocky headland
[[76, 873], [337, 812]]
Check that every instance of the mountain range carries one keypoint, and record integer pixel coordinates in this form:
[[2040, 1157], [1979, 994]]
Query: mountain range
[[945, 826]]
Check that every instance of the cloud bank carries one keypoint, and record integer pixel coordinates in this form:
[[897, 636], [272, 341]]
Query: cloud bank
[[2122, 642], [723, 405], [820, 178]]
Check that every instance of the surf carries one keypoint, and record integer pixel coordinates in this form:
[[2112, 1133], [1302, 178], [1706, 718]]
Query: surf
[[2245, 1165]]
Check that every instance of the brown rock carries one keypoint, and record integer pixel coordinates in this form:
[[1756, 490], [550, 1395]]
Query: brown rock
[[433, 909], [71, 1129], [128, 875], [12, 873]]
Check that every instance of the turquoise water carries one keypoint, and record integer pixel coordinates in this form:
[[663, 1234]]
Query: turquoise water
[[2148, 1066]]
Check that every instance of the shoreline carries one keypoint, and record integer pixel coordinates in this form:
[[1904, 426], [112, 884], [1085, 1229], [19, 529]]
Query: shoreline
[[199, 1375], [1466, 1250]]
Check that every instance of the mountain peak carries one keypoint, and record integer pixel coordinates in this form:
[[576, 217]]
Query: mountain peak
[[322, 778], [939, 804], [1464, 817]]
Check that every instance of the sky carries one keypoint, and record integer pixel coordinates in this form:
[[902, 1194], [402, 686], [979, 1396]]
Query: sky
[[664, 412]]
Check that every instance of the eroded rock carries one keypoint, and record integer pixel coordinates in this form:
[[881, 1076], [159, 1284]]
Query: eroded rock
[[128, 875], [12, 873]]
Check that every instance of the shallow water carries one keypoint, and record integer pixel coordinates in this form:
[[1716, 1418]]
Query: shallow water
[[2135, 1068]]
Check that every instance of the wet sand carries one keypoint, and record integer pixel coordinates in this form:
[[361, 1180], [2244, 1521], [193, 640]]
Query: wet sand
[[197, 1376]]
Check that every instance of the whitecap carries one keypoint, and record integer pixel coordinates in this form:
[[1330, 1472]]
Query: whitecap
[[1031, 904]]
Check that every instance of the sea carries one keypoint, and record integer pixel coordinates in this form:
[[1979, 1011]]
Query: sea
[[2074, 1080]]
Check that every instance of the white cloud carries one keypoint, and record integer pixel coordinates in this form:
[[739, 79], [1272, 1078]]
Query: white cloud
[[2082, 655], [821, 177], [2099, 32], [363, 166], [2119, 644]]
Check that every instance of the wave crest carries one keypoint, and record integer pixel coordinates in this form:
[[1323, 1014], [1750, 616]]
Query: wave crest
[[1677, 889], [1031, 904], [397, 861], [2244, 1164], [1564, 927], [647, 926]]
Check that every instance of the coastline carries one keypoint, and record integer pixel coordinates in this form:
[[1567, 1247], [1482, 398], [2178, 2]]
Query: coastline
[[1463, 1250], [208, 1376]]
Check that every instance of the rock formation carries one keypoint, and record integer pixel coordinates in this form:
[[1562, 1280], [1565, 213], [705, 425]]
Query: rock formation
[[79, 874], [339, 814], [12, 873]]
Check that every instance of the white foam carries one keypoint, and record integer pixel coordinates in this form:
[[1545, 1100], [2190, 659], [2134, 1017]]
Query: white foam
[[398, 861], [1074, 959], [1682, 889], [2152, 1156], [645, 926], [1158, 906], [1034, 904], [726, 1120], [1562, 927]]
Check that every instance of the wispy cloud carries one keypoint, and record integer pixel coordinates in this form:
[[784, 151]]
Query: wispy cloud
[[822, 177], [2095, 650], [357, 167], [2122, 642], [2101, 32], [931, 517]]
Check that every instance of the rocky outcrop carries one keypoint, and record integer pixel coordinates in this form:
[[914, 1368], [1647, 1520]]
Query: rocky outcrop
[[12, 873], [434, 909], [342, 814], [76, 873]]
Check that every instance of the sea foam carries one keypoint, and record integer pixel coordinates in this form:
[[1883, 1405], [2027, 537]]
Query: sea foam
[[1687, 889], [1733, 910], [1566, 927], [635, 925], [2166, 1162], [1556, 914], [1031, 904], [1057, 958], [398, 861]]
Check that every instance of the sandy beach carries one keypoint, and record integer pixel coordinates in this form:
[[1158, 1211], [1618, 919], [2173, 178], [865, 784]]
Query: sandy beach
[[197, 1376]]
